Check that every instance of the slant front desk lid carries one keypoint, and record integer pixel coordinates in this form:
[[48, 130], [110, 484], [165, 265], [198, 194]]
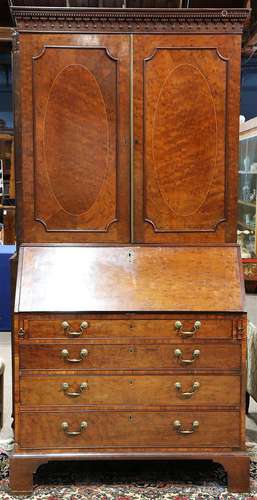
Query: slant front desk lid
[[113, 279]]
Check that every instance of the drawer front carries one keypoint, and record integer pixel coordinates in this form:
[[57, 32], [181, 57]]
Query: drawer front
[[99, 429], [132, 390], [128, 357], [177, 327]]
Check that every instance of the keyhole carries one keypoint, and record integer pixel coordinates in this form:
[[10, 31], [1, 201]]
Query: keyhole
[[130, 256]]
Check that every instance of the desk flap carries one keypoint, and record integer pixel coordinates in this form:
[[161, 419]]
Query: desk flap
[[141, 278]]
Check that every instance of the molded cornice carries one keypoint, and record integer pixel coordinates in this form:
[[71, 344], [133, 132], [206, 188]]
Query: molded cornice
[[103, 20]]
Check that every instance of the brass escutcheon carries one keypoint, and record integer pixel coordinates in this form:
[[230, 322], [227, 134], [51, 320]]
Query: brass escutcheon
[[21, 333]]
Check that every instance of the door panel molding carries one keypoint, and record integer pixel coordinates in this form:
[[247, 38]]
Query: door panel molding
[[82, 90], [182, 150]]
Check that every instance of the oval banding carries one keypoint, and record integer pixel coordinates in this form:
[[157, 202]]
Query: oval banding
[[184, 140], [76, 139]]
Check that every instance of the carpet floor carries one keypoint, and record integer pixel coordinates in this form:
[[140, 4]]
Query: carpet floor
[[195, 480]]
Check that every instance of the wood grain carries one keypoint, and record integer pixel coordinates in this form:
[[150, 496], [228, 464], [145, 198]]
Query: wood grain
[[129, 357], [92, 170], [186, 133], [129, 390], [213, 327], [127, 429], [129, 279], [76, 157]]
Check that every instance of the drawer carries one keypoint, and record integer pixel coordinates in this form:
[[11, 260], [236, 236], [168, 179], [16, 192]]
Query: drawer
[[128, 357], [131, 390], [100, 429], [175, 327]]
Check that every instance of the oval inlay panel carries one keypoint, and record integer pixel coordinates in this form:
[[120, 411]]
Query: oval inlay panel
[[76, 139], [184, 140]]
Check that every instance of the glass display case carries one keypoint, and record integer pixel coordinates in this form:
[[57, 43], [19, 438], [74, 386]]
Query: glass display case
[[247, 189]]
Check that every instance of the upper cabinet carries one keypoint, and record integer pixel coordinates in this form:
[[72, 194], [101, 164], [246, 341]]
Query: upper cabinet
[[75, 138], [131, 136]]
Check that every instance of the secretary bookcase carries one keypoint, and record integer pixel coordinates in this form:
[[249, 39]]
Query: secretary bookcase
[[129, 325]]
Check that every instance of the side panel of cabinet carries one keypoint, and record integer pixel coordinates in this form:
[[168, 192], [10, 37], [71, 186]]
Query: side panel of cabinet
[[186, 109], [75, 138]]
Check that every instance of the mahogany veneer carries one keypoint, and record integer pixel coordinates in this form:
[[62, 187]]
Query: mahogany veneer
[[122, 382], [132, 174], [104, 279], [125, 429], [127, 133], [153, 390], [134, 357], [101, 327]]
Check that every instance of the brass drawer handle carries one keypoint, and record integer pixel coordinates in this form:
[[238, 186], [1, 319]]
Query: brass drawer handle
[[65, 386], [190, 333], [65, 427], [67, 328], [187, 395], [65, 355], [178, 427], [195, 354]]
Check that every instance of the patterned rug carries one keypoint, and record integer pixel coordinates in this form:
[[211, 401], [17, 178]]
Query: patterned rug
[[196, 480]]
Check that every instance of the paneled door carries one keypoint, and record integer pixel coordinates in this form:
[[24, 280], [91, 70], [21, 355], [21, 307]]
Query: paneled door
[[186, 95], [75, 136]]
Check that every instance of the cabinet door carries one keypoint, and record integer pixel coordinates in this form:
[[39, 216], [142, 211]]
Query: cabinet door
[[75, 138], [186, 109]]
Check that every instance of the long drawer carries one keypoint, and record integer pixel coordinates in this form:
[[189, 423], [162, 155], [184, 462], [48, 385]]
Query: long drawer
[[129, 357], [99, 429], [175, 327], [130, 390]]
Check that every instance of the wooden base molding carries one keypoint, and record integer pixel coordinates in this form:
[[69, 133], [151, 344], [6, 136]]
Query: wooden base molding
[[22, 467], [237, 469]]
